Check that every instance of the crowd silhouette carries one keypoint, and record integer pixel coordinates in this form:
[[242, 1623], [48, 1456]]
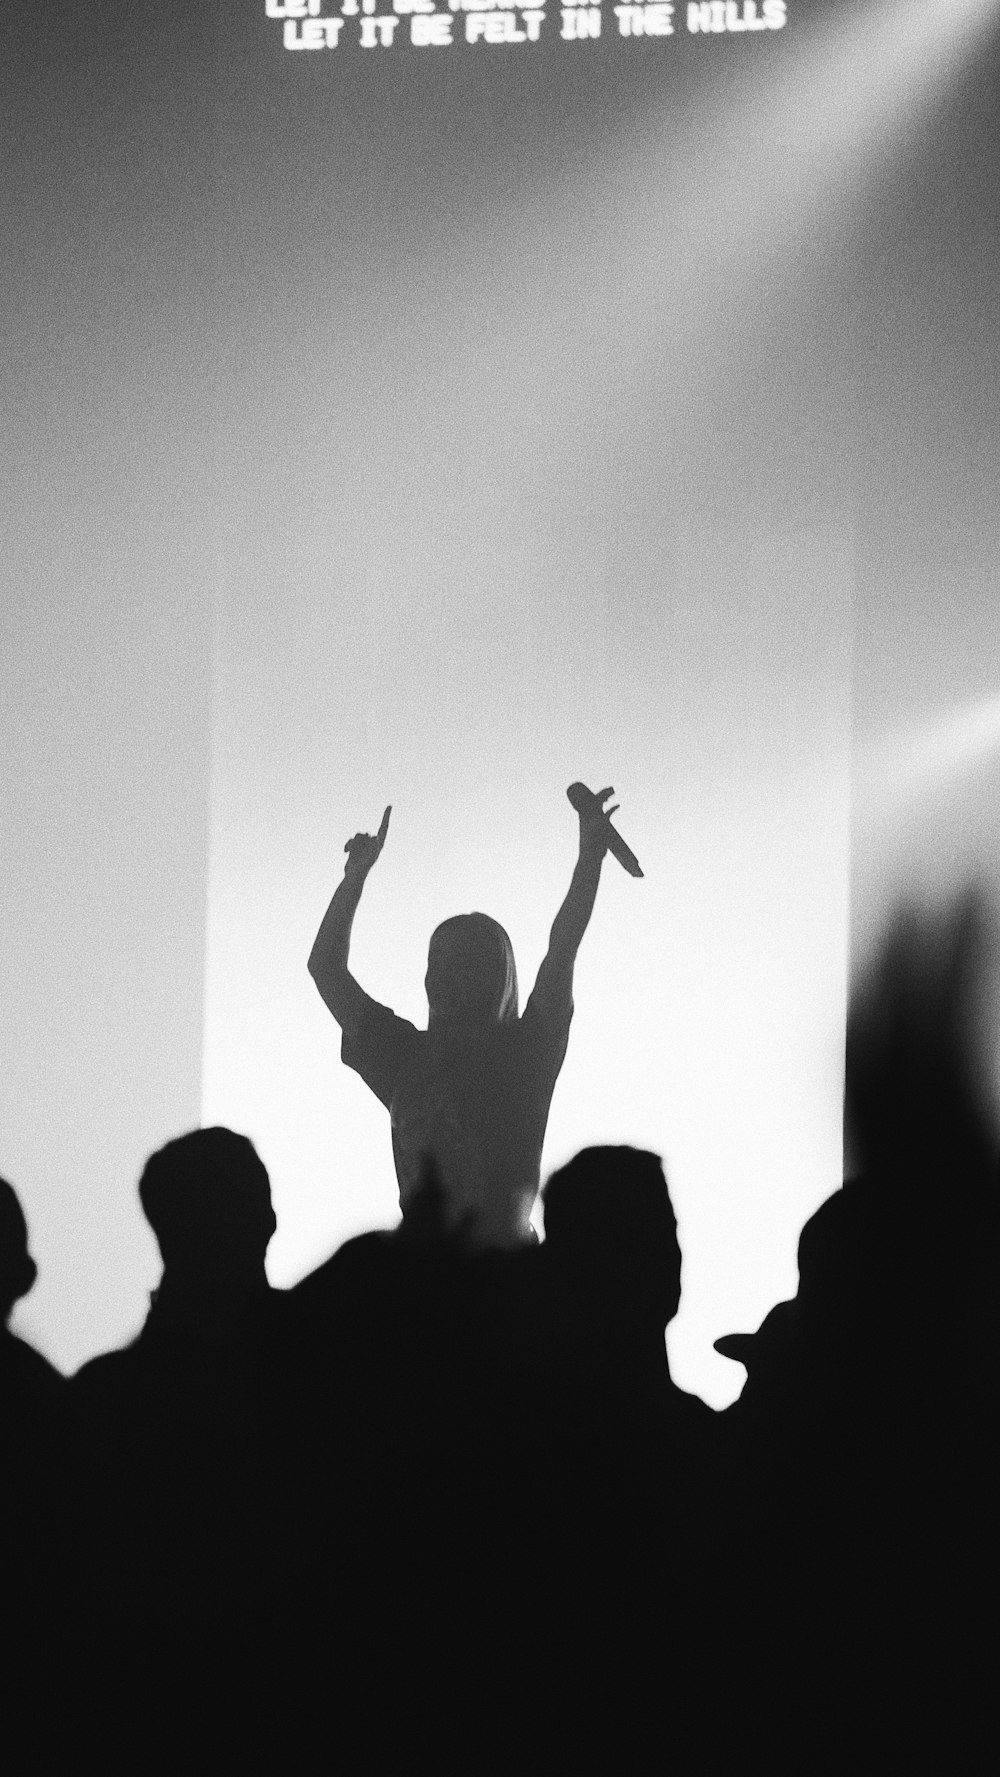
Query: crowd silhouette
[[442, 1505]]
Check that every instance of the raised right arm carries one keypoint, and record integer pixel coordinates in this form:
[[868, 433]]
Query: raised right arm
[[328, 959]]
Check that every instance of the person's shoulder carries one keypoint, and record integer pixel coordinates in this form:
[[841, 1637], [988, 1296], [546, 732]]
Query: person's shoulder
[[26, 1367], [377, 1018], [693, 1413], [359, 1258], [106, 1372], [381, 1031], [106, 1363], [546, 1017], [382, 1047]]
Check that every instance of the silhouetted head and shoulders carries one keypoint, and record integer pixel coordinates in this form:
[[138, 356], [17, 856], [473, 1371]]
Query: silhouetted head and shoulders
[[207, 1198], [612, 1262]]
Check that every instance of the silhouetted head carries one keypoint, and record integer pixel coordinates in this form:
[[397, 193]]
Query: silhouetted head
[[207, 1198], [866, 1259], [609, 1218], [872, 1265], [471, 978], [17, 1267]]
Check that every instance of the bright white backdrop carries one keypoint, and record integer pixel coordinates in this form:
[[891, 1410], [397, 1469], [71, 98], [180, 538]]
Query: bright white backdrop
[[441, 435]]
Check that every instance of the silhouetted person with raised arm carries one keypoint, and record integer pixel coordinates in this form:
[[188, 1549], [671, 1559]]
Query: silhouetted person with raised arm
[[472, 1092], [394, 1490]]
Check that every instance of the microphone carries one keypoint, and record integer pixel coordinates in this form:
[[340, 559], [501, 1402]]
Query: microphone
[[584, 801]]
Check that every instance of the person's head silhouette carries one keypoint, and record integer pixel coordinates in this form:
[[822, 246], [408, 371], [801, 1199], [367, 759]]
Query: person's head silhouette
[[17, 1267], [609, 1222], [471, 978], [207, 1198]]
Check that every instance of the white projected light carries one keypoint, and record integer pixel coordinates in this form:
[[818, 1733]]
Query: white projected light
[[905, 769]]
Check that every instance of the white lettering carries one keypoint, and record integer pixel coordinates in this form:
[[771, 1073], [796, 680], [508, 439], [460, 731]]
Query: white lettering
[[405, 6], [433, 32], [730, 15], [377, 31], [493, 27], [658, 20], [500, 6], [310, 34], [580, 23], [629, 21], [532, 22]]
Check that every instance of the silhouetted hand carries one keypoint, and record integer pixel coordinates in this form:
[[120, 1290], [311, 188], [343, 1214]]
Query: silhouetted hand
[[594, 818], [364, 849]]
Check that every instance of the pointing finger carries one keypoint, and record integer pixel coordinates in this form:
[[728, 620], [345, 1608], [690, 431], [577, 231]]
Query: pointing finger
[[384, 826]]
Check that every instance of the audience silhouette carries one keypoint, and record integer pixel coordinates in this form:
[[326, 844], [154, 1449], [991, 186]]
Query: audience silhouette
[[39, 1531], [443, 1501], [862, 1433], [189, 1433]]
